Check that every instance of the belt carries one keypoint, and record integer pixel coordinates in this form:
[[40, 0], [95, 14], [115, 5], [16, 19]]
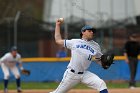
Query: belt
[[77, 73]]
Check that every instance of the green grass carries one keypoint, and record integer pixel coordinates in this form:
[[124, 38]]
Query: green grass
[[53, 85]]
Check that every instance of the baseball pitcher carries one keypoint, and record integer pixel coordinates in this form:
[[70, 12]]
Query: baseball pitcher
[[82, 51]]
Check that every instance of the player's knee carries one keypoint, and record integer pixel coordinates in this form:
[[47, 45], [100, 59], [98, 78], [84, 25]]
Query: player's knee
[[102, 85], [17, 76], [6, 76]]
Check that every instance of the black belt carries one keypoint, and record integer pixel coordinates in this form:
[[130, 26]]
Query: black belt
[[77, 73]]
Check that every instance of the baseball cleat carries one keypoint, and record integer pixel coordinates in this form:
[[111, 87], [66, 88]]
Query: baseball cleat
[[5, 90], [19, 91]]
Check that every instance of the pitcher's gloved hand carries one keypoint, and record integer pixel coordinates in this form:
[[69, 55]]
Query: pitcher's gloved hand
[[107, 60]]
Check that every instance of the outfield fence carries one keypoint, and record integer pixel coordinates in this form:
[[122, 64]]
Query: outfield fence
[[52, 69]]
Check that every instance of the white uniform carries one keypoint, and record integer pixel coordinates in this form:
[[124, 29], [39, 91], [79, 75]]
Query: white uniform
[[82, 52], [9, 62]]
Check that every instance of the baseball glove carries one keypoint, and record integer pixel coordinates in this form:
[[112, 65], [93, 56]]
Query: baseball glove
[[25, 72], [107, 60]]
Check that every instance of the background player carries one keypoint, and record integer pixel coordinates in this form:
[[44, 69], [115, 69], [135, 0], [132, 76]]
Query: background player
[[82, 51], [8, 62]]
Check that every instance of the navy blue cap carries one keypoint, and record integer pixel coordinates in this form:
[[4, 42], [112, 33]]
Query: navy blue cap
[[14, 48], [88, 27]]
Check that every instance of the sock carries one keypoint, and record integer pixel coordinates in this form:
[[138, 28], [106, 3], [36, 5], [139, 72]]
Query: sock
[[5, 83], [104, 91], [18, 83]]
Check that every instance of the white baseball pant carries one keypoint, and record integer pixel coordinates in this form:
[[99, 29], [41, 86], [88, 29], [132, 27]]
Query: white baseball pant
[[13, 69], [70, 79]]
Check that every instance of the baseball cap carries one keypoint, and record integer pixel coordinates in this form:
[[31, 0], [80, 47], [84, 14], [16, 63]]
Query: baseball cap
[[88, 27], [14, 48]]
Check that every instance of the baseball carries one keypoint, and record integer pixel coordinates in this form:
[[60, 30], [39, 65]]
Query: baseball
[[61, 19]]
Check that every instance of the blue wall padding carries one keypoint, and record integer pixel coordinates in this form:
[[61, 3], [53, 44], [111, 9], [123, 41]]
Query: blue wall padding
[[53, 71]]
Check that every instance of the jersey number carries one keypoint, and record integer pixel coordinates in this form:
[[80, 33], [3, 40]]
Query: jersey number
[[90, 57]]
